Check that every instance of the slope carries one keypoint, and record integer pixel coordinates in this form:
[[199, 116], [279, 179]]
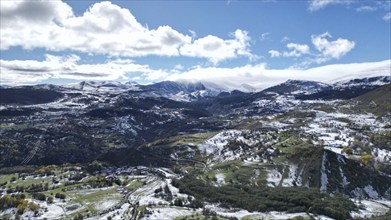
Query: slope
[[377, 101]]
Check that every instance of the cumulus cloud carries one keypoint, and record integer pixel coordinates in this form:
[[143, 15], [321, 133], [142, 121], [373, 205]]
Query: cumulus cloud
[[107, 29], [331, 49], [295, 50], [16, 12], [299, 48], [104, 28], [274, 53], [325, 50], [216, 49]]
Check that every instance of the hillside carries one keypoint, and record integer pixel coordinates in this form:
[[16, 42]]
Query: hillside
[[27, 96], [377, 101], [173, 150]]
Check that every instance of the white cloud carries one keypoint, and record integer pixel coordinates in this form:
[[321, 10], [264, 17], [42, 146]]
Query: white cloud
[[16, 12], [260, 77], [179, 67], [331, 49], [375, 6], [104, 28], [67, 67], [316, 5], [302, 48], [295, 50], [366, 8], [274, 53], [257, 75], [216, 49], [325, 50], [387, 17], [108, 29]]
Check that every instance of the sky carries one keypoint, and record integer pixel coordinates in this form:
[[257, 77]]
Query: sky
[[258, 43]]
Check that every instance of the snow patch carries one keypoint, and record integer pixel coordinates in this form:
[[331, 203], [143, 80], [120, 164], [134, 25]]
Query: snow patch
[[323, 177], [216, 143], [167, 213], [273, 177], [220, 178], [371, 208], [371, 192]]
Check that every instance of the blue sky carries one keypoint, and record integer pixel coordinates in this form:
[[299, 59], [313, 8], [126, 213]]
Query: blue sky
[[147, 41]]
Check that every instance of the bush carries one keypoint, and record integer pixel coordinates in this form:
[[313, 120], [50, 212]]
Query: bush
[[195, 203], [178, 202], [46, 170], [50, 199], [78, 217], [17, 201], [366, 158], [60, 196], [39, 196], [347, 150]]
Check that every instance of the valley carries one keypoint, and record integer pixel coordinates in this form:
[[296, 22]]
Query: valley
[[171, 150]]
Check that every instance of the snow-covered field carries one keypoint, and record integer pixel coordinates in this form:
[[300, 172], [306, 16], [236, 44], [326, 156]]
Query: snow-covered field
[[227, 213], [145, 195], [117, 214], [335, 133], [106, 204], [164, 213], [370, 208], [217, 143]]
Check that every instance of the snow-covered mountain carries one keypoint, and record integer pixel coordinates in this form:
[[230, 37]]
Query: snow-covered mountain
[[180, 91], [99, 86], [298, 87], [292, 142], [348, 88], [188, 91], [367, 81]]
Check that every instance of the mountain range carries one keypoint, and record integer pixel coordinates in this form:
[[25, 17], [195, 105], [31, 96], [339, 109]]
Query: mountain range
[[301, 147]]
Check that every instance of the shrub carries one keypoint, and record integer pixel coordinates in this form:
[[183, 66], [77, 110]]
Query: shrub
[[366, 158], [39, 196], [18, 202], [50, 199], [347, 150], [178, 202], [60, 196]]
